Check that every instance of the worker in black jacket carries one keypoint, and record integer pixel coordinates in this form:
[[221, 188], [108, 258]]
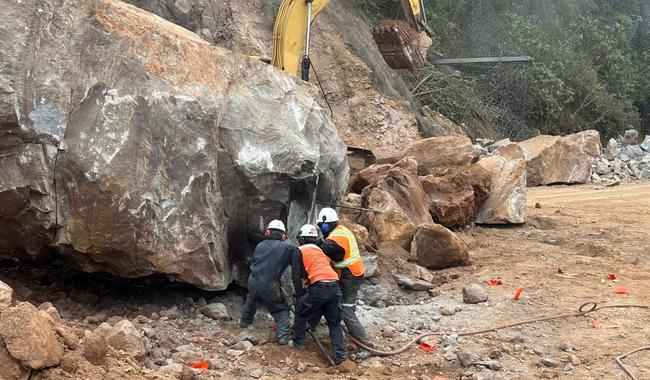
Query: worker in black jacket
[[270, 259]]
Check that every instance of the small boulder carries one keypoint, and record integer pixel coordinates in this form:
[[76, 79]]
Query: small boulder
[[94, 347], [474, 293], [6, 295], [436, 247], [124, 336], [242, 345], [551, 363], [466, 359], [174, 370], [217, 311], [29, 337], [371, 263], [10, 368], [630, 137], [412, 283], [645, 145]]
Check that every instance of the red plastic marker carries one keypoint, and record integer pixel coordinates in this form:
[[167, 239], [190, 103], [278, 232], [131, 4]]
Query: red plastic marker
[[518, 293], [203, 364], [495, 281], [428, 346], [620, 290], [612, 276]]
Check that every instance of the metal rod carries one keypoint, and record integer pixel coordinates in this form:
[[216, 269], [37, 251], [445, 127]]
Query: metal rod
[[349, 207], [620, 362], [462, 61], [307, 39]]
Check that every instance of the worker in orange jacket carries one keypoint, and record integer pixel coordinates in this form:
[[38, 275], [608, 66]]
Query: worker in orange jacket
[[317, 291], [341, 247]]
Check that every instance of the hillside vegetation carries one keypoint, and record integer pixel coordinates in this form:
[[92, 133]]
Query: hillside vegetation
[[591, 68]]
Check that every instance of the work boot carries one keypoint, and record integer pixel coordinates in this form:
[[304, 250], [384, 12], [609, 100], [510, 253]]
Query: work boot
[[363, 355], [244, 325], [340, 360], [284, 341], [296, 345]]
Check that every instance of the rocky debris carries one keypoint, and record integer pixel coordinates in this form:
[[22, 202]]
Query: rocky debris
[[242, 345], [6, 295], [387, 332], [496, 145], [448, 311], [630, 137], [412, 283], [174, 370], [366, 177], [138, 141], [29, 337], [553, 159], [255, 336], [466, 359], [94, 347], [436, 154], [399, 204], [436, 247], [622, 161], [455, 198], [474, 293], [506, 203], [10, 368], [551, 363], [216, 311], [124, 336], [372, 294]]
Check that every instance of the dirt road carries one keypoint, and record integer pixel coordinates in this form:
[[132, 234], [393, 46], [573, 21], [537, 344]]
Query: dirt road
[[562, 257]]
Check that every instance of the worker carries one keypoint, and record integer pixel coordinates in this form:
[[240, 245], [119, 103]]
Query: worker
[[271, 258], [341, 247], [317, 292]]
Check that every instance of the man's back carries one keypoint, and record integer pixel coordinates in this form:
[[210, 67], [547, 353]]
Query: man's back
[[270, 259]]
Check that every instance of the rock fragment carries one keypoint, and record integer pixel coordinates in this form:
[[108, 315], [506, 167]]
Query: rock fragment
[[217, 311], [412, 283], [474, 293], [124, 336], [6, 295], [436, 247]]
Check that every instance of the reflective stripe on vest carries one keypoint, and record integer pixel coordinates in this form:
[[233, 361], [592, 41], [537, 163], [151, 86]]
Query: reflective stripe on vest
[[354, 256]]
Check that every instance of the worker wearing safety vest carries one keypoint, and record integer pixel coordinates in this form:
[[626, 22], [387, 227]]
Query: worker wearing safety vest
[[317, 292], [341, 247]]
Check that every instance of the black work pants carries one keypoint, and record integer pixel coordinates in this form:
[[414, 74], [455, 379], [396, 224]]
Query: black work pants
[[322, 298], [269, 295]]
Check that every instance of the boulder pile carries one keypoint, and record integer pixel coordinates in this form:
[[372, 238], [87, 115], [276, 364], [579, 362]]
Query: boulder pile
[[625, 158]]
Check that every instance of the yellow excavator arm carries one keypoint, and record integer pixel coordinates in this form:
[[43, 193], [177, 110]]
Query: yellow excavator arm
[[290, 32], [399, 43]]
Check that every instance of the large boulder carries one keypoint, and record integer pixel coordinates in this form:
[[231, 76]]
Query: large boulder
[[455, 198], [29, 337], [435, 247], [398, 204], [132, 146], [437, 153], [553, 159], [508, 194]]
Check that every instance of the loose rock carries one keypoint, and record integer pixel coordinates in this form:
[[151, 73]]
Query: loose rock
[[216, 311], [124, 336], [29, 337], [436, 247], [6, 295], [412, 283], [474, 293]]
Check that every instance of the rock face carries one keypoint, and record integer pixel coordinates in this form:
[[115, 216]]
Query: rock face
[[167, 160], [399, 202], [29, 337], [436, 247], [553, 159], [506, 203], [437, 153], [455, 198]]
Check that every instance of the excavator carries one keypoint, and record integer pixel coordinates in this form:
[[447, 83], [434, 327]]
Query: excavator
[[402, 43]]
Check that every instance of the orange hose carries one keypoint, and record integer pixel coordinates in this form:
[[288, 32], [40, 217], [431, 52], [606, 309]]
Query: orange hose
[[583, 310]]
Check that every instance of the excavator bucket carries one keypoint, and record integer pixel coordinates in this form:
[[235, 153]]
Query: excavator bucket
[[401, 45]]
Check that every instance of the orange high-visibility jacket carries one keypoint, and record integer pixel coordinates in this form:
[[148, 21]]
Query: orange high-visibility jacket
[[352, 259], [317, 264]]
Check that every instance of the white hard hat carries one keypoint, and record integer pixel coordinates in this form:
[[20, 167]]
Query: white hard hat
[[308, 230], [327, 215], [276, 225]]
